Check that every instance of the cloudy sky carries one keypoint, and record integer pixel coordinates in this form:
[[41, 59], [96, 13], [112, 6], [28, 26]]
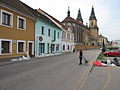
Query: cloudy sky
[[107, 12]]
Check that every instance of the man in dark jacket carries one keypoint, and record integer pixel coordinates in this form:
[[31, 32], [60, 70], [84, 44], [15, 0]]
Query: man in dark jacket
[[80, 56]]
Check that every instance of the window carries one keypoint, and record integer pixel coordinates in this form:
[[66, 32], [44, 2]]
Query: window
[[21, 46], [58, 35], [92, 23], [5, 46], [57, 47], [42, 30], [21, 23], [68, 36], [41, 48], [48, 32], [6, 18], [52, 48], [48, 48], [68, 47], [63, 47]]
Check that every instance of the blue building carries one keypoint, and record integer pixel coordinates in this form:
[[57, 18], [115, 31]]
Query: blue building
[[48, 35]]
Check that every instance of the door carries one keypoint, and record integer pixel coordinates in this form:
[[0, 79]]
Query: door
[[30, 49], [41, 48]]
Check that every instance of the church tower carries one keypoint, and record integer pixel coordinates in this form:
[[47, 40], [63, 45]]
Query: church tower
[[79, 17], [93, 24]]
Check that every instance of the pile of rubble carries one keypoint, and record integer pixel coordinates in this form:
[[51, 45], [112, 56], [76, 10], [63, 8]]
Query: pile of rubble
[[22, 58], [109, 63]]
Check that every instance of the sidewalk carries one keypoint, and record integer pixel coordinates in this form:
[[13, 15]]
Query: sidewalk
[[89, 69], [7, 61]]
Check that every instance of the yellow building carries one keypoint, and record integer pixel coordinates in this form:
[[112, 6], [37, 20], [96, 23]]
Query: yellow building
[[101, 40], [17, 28]]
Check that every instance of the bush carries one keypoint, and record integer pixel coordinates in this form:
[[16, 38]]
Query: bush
[[113, 48], [101, 56]]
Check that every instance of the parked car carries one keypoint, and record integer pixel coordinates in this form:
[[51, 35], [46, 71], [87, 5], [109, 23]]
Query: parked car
[[112, 53]]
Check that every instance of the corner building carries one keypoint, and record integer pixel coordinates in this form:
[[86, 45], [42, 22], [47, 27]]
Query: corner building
[[17, 27]]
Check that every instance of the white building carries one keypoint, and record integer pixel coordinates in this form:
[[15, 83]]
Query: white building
[[67, 40], [116, 43]]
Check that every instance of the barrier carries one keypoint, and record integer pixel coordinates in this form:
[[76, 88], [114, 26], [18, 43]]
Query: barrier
[[78, 47]]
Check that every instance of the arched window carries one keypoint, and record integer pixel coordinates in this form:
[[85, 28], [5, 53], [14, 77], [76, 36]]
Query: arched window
[[63, 47], [68, 47], [92, 23]]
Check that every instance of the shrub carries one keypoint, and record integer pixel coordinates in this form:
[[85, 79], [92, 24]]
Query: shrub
[[101, 56], [113, 48]]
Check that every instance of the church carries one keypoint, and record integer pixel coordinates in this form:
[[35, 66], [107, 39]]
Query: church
[[84, 35]]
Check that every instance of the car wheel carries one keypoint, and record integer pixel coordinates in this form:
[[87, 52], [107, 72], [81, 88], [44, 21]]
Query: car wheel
[[106, 55]]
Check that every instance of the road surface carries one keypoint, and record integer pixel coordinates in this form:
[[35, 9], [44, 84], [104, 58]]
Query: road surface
[[60, 72]]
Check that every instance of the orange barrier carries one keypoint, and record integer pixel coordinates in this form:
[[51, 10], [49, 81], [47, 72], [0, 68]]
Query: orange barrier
[[78, 47]]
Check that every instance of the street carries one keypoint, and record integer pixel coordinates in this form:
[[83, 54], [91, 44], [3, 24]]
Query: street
[[60, 72]]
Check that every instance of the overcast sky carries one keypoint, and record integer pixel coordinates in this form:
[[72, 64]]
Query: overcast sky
[[107, 12]]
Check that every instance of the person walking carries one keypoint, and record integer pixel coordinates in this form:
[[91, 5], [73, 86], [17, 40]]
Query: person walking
[[80, 57]]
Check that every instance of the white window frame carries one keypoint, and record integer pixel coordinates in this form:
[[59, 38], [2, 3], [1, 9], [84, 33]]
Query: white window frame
[[32, 47], [24, 48], [24, 26], [10, 47], [11, 18]]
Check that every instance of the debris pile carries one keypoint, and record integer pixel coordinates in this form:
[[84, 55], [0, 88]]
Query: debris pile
[[22, 58], [107, 63]]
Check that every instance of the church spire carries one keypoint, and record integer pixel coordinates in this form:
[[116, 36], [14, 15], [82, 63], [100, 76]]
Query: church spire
[[92, 16], [68, 13], [79, 17]]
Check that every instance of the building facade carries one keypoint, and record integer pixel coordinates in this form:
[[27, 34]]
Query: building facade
[[115, 43], [67, 39], [17, 27], [101, 40], [83, 34], [48, 35]]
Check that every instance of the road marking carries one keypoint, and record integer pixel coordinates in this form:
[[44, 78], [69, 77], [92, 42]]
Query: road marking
[[108, 79]]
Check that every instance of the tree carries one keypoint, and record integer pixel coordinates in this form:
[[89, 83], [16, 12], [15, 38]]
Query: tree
[[103, 46]]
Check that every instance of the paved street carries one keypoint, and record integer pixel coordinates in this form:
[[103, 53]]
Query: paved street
[[60, 72], [103, 78]]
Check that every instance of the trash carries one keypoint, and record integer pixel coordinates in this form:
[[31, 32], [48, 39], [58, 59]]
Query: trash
[[112, 65], [97, 63], [14, 59], [86, 61], [22, 58], [108, 62]]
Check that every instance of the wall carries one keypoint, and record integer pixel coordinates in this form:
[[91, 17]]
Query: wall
[[16, 34]]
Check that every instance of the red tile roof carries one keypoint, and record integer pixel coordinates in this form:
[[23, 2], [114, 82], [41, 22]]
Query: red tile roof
[[70, 19]]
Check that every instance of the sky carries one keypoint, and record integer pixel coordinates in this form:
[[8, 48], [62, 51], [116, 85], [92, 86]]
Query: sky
[[107, 12]]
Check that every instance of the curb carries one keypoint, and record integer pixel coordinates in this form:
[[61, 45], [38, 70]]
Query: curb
[[88, 71], [34, 58]]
